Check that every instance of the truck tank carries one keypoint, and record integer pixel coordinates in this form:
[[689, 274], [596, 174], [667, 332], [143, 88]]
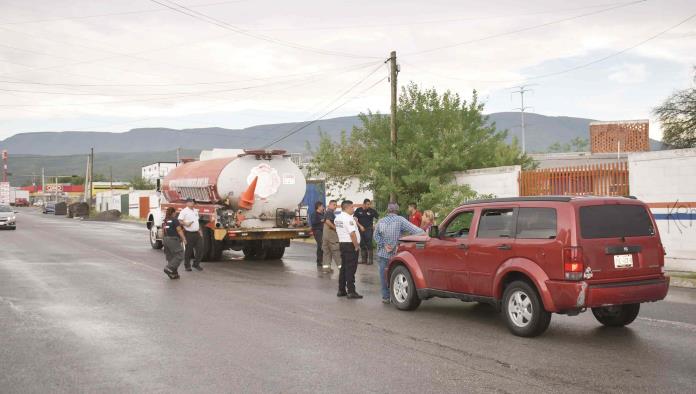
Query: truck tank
[[280, 184]]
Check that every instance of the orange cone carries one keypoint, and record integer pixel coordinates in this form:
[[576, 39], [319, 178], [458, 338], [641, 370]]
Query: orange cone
[[246, 200]]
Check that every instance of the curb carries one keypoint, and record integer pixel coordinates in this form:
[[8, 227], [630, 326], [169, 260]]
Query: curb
[[682, 279]]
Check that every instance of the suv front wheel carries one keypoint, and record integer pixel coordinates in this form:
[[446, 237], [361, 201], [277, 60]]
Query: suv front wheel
[[617, 315], [524, 312], [403, 290]]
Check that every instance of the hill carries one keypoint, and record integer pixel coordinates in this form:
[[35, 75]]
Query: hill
[[64, 153]]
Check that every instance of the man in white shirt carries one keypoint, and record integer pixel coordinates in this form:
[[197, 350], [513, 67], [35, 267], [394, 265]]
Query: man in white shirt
[[188, 217], [349, 243]]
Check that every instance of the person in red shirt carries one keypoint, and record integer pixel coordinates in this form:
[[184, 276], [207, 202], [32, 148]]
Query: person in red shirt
[[414, 215]]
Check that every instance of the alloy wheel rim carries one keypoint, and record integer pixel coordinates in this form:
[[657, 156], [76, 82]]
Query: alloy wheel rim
[[400, 288], [520, 308], [153, 234]]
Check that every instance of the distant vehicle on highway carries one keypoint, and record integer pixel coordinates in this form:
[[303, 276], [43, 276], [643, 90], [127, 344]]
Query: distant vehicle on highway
[[21, 202], [49, 207], [533, 256], [8, 218]]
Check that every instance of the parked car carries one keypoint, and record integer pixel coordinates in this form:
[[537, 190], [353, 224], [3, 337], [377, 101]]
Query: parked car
[[8, 218], [49, 207], [533, 256]]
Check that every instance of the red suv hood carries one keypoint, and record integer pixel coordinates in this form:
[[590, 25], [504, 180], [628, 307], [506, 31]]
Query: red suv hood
[[415, 238]]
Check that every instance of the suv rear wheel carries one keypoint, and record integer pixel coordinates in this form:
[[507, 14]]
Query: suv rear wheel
[[617, 315], [403, 290], [524, 312]]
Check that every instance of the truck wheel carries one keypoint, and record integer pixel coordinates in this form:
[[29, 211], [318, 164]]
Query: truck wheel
[[275, 253], [215, 249], [154, 242], [403, 290], [249, 252], [524, 312], [617, 315]]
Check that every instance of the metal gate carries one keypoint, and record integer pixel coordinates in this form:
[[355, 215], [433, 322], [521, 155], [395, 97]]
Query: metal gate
[[607, 179]]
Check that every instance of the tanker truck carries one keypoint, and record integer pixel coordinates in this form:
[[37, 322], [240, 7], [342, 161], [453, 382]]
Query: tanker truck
[[247, 200]]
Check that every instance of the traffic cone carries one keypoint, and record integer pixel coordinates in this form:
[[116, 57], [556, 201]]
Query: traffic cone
[[246, 200]]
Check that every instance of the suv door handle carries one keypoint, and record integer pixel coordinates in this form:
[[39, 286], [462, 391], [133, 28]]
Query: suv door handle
[[463, 246], [504, 247]]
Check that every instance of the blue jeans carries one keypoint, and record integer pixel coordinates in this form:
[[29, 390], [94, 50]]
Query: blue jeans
[[383, 261]]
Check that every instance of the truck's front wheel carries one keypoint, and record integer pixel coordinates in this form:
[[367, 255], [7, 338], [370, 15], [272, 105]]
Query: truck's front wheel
[[154, 242]]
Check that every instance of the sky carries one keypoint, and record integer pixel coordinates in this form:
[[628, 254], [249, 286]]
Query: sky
[[100, 65]]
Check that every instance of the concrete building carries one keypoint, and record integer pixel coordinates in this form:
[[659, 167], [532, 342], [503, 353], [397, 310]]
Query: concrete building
[[158, 170]]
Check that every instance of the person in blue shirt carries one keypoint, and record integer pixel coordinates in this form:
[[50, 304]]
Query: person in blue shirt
[[317, 220], [387, 233]]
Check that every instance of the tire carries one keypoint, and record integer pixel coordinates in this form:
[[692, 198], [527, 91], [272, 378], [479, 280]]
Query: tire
[[249, 252], [13, 228], [275, 253], [154, 242], [205, 241], [524, 312], [215, 249], [402, 289], [616, 316]]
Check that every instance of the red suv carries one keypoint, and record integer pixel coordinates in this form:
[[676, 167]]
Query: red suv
[[533, 256]]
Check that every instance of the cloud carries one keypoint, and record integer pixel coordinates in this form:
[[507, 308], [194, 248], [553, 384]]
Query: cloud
[[629, 74]]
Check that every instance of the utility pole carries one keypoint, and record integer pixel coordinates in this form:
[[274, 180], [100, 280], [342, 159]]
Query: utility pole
[[393, 72], [43, 182], [4, 166], [111, 181], [91, 176], [522, 89], [178, 157]]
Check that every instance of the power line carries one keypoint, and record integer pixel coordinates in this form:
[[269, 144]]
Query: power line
[[220, 23], [189, 83], [557, 21], [298, 129], [574, 68]]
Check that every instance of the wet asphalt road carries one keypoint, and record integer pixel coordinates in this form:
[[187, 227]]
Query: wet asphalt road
[[85, 307]]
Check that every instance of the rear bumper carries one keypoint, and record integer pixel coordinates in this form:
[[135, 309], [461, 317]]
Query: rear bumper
[[568, 296]]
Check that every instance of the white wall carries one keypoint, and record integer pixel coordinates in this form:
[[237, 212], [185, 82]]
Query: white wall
[[666, 180], [351, 191], [499, 181]]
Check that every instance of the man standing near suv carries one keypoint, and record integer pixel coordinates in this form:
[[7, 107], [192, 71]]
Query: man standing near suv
[[387, 234], [366, 216], [349, 241], [188, 217]]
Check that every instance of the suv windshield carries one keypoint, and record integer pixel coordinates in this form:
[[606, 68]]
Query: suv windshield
[[5, 208], [613, 221]]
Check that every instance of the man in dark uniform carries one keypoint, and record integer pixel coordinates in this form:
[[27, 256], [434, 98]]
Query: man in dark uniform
[[366, 216], [317, 220]]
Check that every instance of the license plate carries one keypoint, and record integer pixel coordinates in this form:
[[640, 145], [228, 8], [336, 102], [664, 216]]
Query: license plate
[[623, 261]]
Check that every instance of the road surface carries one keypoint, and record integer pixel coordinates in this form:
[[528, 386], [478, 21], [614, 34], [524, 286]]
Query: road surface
[[85, 307]]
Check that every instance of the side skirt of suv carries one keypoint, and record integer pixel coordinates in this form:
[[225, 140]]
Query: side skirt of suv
[[425, 294]]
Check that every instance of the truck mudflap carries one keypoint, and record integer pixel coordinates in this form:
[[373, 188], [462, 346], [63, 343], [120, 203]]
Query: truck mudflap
[[568, 296], [263, 234]]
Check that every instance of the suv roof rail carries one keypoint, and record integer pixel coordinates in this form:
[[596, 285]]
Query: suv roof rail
[[518, 199]]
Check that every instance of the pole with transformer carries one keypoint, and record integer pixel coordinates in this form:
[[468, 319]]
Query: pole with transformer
[[522, 89], [393, 72]]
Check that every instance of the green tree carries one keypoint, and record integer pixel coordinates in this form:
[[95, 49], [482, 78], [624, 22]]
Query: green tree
[[577, 144], [678, 117], [439, 134], [139, 183]]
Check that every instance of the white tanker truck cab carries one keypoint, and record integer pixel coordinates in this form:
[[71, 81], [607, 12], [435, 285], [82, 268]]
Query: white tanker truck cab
[[247, 200]]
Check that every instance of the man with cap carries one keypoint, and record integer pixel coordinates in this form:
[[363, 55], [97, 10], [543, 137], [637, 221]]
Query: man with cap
[[349, 244], [188, 217], [387, 234]]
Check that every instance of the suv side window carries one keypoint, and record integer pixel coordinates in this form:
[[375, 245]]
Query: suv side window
[[496, 223], [460, 225], [536, 223]]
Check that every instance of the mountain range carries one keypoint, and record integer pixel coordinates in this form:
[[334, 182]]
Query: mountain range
[[64, 153]]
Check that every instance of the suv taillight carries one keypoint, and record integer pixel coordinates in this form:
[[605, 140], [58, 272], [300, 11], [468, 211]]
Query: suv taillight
[[573, 266]]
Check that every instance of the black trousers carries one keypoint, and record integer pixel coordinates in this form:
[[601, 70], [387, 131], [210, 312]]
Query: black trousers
[[366, 245], [349, 265], [318, 236], [194, 248]]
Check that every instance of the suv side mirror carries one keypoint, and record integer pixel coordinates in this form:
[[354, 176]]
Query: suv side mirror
[[434, 231]]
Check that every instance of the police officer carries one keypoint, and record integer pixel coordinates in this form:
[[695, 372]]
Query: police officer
[[349, 243], [173, 238], [317, 220], [366, 216], [194, 236]]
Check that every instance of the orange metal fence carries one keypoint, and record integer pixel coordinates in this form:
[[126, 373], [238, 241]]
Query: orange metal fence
[[608, 179]]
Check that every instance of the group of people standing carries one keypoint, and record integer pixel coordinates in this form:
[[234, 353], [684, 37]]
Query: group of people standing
[[344, 237]]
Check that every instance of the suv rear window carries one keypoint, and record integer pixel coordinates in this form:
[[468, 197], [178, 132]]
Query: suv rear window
[[536, 223], [613, 221]]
